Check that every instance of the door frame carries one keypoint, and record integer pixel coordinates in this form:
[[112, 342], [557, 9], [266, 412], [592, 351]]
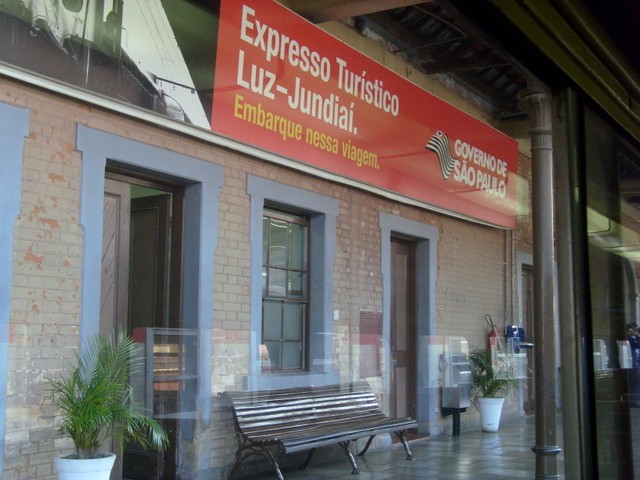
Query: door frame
[[426, 238], [202, 182]]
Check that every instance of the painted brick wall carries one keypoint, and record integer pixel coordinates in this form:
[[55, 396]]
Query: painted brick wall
[[472, 268]]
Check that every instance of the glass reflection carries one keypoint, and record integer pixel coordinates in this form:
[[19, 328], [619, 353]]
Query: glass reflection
[[613, 227], [156, 55]]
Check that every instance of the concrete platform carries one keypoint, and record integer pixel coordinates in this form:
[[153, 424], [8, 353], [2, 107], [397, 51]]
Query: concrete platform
[[473, 455]]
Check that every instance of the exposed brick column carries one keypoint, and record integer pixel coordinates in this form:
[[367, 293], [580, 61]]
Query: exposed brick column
[[538, 104]]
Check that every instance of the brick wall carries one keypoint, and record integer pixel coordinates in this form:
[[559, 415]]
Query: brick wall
[[472, 271]]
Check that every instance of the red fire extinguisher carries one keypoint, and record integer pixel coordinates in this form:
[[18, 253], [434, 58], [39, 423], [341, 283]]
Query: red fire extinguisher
[[492, 336]]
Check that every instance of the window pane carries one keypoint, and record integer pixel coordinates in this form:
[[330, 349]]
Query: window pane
[[278, 243], [274, 354], [272, 321], [297, 246], [265, 240], [613, 187], [291, 355], [265, 358], [297, 284], [285, 275], [293, 318], [277, 282], [264, 281]]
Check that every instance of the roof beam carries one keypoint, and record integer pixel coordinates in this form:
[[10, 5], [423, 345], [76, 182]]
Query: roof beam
[[462, 65], [319, 11]]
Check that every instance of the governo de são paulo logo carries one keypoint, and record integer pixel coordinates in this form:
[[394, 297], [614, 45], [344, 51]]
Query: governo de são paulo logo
[[439, 144], [472, 166]]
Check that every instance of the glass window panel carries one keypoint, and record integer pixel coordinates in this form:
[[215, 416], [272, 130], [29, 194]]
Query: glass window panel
[[265, 240], [297, 284], [277, 282], [291, 355], [293, 318], [265, 358], [613, 187], [297, 246], [278, 243], [272, 321], [264, 281], [285, 267], [274, 355]]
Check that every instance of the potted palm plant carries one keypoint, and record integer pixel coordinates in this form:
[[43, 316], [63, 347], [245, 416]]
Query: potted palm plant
[[490, 383], [96, 404]]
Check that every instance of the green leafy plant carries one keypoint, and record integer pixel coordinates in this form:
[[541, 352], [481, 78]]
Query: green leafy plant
[[96, 399], [489, 380]]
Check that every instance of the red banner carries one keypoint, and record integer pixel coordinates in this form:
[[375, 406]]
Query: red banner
[[286, 86]]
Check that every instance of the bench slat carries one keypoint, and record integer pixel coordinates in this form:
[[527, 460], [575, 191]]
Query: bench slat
[[255, 404], [301, 410], [328, 430], [298, 444], [267, 429], [323, 412]]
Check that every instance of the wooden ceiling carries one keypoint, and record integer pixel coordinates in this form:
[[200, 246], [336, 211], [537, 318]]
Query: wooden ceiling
[[435, 39]]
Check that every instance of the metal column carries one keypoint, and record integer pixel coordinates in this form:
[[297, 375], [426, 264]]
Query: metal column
[[538, 104]]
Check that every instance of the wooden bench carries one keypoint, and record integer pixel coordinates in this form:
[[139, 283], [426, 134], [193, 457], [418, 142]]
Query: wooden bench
[[276, 422]]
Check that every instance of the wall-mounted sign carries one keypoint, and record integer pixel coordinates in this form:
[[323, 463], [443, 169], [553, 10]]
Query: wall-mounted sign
[[286, 86]]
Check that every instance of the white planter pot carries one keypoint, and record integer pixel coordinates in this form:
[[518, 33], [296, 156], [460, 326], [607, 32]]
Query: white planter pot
[[86, 469], [490, 411]]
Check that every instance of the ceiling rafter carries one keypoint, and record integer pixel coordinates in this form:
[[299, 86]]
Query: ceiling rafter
[[437, 42], [319, 11]]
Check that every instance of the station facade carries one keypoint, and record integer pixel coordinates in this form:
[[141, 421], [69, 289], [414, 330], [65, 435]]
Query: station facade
[[271, 204]]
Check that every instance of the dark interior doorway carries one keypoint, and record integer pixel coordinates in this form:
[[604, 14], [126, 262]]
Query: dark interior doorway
[[403, 328], [141, 293]]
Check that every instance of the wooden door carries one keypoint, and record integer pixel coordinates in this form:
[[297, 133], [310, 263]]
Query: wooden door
[[115, 257], [148, 281], [114, 294], [403, 328]]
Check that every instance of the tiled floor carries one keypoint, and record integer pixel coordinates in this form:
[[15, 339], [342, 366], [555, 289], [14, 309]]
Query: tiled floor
[[473, 455]]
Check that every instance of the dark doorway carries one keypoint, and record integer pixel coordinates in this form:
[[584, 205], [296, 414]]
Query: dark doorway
[[403, 328], [141, 285]]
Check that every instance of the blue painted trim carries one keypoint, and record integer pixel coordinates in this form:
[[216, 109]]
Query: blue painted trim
[[14, 127], [202, 181], [323, 211]]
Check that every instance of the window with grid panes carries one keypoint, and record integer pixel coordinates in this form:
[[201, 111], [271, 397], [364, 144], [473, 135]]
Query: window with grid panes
[[285, 274]]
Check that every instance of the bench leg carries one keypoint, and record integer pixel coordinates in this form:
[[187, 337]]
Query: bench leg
[[274, 463], [405, 444], [306, 462], [347, 451], [366, 447], [233, 470], [265, 453]]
